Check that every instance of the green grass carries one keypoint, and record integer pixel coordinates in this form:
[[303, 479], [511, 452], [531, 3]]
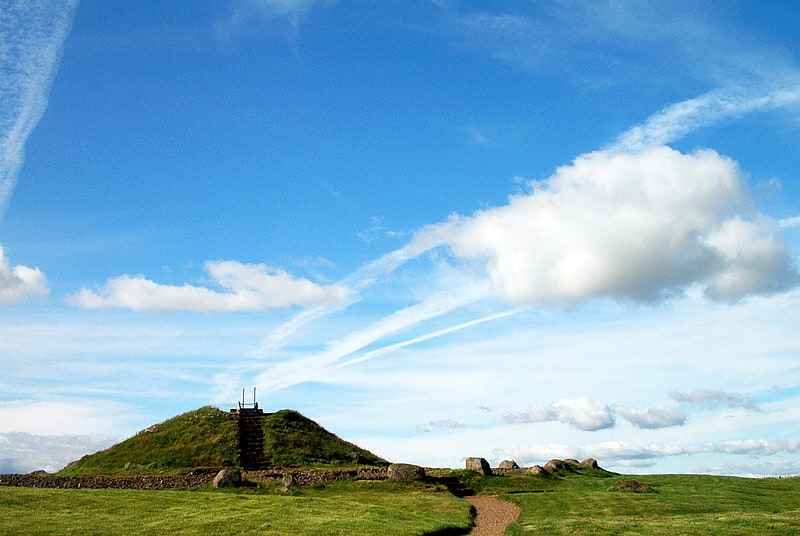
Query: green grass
[[206, 437], [347, 508], [292, 440], [584, 503]]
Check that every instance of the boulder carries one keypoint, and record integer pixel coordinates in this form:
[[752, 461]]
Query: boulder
[[288, 482], [405, 471], [479, 465], [508, 464], [557, 465], [590, 463], [227, 479], [536, 470]]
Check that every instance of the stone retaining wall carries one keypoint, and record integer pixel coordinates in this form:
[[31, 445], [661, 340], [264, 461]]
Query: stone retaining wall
[[110, 482], [302, 477]]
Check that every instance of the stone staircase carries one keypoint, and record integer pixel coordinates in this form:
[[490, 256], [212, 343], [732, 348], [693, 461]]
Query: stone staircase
[[251, 439]]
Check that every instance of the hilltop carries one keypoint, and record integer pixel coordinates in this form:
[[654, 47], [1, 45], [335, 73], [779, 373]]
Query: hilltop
[[208, 438]]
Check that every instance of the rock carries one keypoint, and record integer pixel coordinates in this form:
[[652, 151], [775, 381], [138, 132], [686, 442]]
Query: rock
[[591, 463], [227, 479], [573, 463], [479, 465], [536, 470], [405, 471], [288, 482], [508, 464], [557, 465]]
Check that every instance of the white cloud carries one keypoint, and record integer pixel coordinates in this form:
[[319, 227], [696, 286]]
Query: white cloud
[[21, 452], [32, 33], [446, 424], [679, 119], [753, 261], [713, 398], [623, 453], [581, 413], [247, 287], [789, 223], [640, 227], [63, 417], [652, 418], [588, 415], [20, 283]]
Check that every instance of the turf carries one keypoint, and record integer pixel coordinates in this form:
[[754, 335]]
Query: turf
[[207, 438], [587, 503], [348, 508]]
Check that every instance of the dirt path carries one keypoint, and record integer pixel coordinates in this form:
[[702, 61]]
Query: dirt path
[[493, 515]]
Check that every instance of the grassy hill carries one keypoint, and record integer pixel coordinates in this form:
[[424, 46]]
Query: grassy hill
[[292, 440], [208, 438]]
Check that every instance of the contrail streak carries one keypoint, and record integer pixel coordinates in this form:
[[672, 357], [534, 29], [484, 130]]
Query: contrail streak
[[32, 35]]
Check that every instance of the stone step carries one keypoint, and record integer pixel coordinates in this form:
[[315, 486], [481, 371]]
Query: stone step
[[251, 440]]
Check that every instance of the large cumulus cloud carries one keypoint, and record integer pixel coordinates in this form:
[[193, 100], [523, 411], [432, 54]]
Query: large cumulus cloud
[[636, 226]]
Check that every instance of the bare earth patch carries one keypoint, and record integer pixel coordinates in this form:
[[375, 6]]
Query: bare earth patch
[[493, 515]]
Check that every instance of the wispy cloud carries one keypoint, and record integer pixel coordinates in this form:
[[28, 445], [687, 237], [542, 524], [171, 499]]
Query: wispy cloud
[[678, 120], [288, 8], [713, 398], [248, 287], [446, 424], [789, 223], [249, 14], [652, 418], [615, 452], [319, 366], [32, 33]]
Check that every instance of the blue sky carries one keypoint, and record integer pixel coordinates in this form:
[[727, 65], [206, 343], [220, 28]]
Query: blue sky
[[439, 228]]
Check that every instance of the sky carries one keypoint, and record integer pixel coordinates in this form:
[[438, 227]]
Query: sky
[[514, 230]]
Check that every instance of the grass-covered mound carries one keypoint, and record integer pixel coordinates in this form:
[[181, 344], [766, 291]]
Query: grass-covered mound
[[292, 440], [208, 438]]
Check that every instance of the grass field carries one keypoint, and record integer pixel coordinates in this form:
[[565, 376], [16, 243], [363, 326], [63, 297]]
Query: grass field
[[348, 508], [576, 504], [582, 504]]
